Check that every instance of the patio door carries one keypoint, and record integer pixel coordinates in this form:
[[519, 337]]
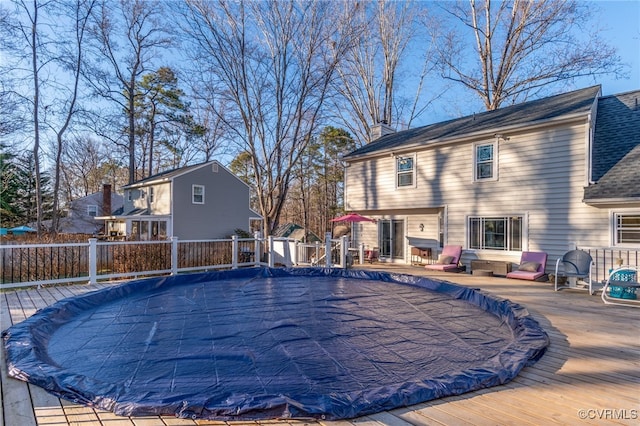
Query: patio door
[[391, 238]]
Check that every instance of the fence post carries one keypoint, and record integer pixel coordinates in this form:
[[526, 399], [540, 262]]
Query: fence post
[[271, 256], [315, 259], [93, 261], [234, 252], [174, 255], [327, 250], [257, 256], [344, 246]]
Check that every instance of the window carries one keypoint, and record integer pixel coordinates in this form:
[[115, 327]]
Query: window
[[92, 211], [496, 233], [485, 162], [135, 230], [197, 194], [158, 230], [151, 195], [129, 195], [404, 171], [627, 228]]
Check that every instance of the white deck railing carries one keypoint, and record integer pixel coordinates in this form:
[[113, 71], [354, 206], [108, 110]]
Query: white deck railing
[[608, 258], [25, 265]]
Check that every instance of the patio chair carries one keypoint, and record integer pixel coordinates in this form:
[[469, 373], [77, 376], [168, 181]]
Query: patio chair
[[531, 267], [575, 265], [448, 260], [372, 255]]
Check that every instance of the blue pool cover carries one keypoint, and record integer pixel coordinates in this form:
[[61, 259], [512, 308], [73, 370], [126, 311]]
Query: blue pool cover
[[273, 343]]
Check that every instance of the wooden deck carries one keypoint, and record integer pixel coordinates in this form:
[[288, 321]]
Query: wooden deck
[[589, 375]]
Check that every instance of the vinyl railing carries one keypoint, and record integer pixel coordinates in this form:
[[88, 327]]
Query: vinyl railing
[[24, 265], [608, 258]]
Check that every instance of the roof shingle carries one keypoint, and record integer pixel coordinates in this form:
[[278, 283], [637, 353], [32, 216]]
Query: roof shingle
[[528, 113], [616, 149]]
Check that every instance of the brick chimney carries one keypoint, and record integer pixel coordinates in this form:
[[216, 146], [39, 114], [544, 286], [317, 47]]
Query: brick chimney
[[106, 199]]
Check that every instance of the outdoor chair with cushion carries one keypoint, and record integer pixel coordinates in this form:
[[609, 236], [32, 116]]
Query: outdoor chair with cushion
[[573, 266], [448, 260], [531, 267], [372, 255]]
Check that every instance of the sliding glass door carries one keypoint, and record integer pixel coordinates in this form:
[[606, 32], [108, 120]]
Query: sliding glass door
[[391, 238]]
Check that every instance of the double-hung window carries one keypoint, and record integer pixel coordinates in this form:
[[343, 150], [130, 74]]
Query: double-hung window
[[405, 171], [92, 210], [197, 194], [627, 228], [485, 161], [496, 233]]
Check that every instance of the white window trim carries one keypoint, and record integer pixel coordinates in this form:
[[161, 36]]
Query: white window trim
[[91, 207], [414, 181], [495, 162], [614, 226], [525, 232], [193, 193]]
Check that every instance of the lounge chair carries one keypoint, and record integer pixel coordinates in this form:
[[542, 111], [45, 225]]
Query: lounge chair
[[448, 260], [575, 265], [531, 267]]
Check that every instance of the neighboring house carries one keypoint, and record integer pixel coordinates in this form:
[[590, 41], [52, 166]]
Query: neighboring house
[[545, 175], [202, 201], [82, 212]]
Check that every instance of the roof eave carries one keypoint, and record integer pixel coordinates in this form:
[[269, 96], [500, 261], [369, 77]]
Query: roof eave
[[471, 136], [612, 201], [147, 183]]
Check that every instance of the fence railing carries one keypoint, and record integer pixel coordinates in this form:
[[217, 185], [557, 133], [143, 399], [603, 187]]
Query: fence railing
[[23, 265], [608, 258]]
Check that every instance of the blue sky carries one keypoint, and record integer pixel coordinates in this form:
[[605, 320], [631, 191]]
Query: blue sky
[[621, 28], [619, 23]]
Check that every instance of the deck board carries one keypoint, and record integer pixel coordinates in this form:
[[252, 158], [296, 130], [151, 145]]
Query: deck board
[[593, 364]]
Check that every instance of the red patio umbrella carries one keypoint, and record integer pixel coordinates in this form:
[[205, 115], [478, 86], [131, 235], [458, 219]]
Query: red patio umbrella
[[352, 217]]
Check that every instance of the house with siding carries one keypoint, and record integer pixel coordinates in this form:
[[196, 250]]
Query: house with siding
[[202, 201], [546, 175], [81, 213]]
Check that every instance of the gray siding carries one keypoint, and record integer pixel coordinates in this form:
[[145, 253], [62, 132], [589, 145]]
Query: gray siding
[[225, 209], [541, 174]]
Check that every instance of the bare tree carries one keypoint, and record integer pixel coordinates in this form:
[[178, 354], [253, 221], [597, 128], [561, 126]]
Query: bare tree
[[273, 62], [521, 47], [128, 35], [28, 44], [86, 165], [368, 76], [71, 59]]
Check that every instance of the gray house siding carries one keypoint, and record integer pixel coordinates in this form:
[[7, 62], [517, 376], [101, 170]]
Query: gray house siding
[[79, 221], [225, 207]]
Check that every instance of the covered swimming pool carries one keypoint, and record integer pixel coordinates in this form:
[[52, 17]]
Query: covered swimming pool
[[273, 343]]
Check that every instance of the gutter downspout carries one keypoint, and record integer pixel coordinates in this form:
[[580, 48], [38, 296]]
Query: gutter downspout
[[591, 120]]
